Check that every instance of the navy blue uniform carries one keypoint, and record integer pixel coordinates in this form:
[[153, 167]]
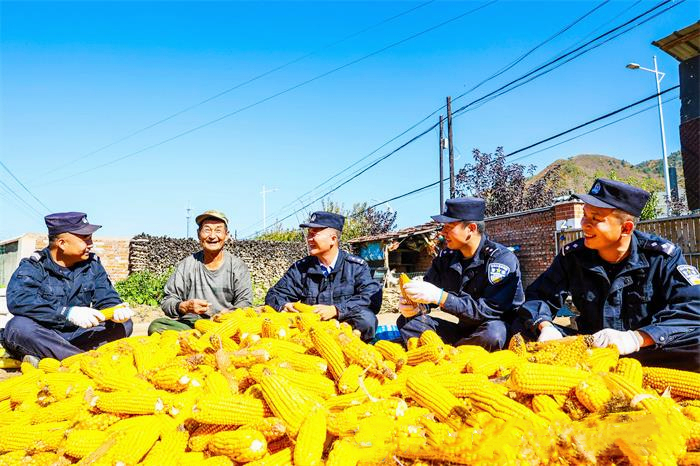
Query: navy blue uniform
[[482, 292], [349, 287], [40, 294], [651, 292]]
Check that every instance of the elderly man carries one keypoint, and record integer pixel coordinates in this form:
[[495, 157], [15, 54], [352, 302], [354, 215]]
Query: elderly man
[[632, 289], [56, 295], [474, 279], [207, 282], [337, 284]]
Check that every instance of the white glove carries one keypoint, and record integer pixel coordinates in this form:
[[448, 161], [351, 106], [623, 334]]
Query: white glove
[[548, 333], [626, 341], [84, 317], [422, 292], [122, 314]]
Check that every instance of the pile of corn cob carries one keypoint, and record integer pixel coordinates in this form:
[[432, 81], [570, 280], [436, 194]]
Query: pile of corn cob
[[259, 387]]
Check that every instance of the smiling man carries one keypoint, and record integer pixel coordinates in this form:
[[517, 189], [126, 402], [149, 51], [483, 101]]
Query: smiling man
[[207, 282], [632, 289], [56, 295], [474, 279], [337, 284]]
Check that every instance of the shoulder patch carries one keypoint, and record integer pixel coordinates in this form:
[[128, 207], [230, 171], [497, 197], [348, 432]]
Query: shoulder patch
[[355, 259], [36, 256], [497, 272], [572, 246], [690, 274], [665, 247]]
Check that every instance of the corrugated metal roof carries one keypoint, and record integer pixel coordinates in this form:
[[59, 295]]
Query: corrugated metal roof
[[410, 231], [683, 44]]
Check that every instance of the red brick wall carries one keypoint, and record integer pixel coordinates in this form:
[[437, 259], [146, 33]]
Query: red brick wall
[[534, 232], [690, 150], [113, 252]]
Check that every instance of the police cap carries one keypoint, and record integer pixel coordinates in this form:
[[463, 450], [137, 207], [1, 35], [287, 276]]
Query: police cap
[[462, 208], [323, 219], [613, 194], [69, 222]]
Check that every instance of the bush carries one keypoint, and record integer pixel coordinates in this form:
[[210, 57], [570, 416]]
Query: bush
[[143, 287]]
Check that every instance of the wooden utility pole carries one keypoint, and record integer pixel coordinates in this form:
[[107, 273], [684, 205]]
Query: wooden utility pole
[[451, 147], [442, 144]]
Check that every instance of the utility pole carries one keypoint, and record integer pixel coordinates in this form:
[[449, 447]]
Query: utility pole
[[188, 211], [442, 146], [451, 147], [264, 193]]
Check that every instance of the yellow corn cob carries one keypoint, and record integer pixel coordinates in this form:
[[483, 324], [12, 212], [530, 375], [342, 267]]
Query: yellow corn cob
[[229, 410], [49, 459], [99, 421], [546, 407], [281, 458], [192, 458], [412, 343], [278, 347], [132, 444], [631, 369], [311, 439], [123, 402], [33, 438], [173, 378], [271, 329], [433, 353], [343, 453], [603, 359], [691, 412], [63, 410], [569, 351], [217, 384], [682, 383], [301, 362], [492, 363], [366, 356], [430, 394], [286, 402], [205, 325], [392, 352], [5, 407], [636, 395], [503, 407], [8, 386], [242, 445], [49, 365], [301, 307], [81, 442], [112, 378], [272, 428], [429, 337], [200, 437], [691, 458], [693, 440], [461, 385], [168, 450], [329, 348], [536, 379], [350, 380], [593, 394], [314, 384]]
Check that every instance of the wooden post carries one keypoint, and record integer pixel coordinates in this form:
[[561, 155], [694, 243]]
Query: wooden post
[[451, 147], [442, 189]]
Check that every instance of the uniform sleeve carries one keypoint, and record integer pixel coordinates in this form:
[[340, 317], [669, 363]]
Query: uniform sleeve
[[242, 286], [496, 300], [288, 289], [105, 294], [175, 292], [682, 311], [367, 295], [25, 297], [546, 295]]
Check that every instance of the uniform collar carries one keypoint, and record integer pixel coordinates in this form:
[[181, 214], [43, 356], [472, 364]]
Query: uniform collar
[[317, 268], [593, 262], [476, 261]]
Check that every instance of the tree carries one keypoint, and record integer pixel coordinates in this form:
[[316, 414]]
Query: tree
[[362, 220], [280, 234], [651, 209], [505, 187]]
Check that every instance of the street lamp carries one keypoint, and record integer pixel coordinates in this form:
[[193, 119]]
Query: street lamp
[[659, 76]]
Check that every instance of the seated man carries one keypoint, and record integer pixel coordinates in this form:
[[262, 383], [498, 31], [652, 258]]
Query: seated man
[[632, 289], [207, 282], [336, 283], [474, 279], [56, 294]]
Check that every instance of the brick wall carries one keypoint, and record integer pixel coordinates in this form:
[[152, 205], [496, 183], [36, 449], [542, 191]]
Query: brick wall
[[690, 150], [533, 231]]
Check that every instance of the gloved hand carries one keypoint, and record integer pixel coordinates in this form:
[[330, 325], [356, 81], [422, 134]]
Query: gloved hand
[[122, 314], [626, 341], [422, 292], [548, 333], [84, 317], [408, 308]]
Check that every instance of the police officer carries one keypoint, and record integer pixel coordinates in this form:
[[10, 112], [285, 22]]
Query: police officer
[[474, 279], [336, 283], [632, 289], [55, 296]]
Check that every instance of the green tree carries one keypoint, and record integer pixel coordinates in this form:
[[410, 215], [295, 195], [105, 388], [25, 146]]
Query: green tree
[[362, 220], [281, 234], [652, 209]]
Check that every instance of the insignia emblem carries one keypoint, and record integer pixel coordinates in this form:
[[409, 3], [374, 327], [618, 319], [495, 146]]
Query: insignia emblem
[[690, 273], [313, 218], [497, 272], [595, 189]]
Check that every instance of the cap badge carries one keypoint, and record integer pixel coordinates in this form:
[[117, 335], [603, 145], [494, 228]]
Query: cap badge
[[84, 220], [313, 218], [595, 189]]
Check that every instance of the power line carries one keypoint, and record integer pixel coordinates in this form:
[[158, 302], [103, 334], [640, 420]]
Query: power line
[[244, 83], [289, 89], [14, 193], [24, 187]]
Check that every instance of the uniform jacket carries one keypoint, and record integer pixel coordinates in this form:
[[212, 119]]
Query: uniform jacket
[[349, 286], [44, 291], [650, 293], [488, 288]]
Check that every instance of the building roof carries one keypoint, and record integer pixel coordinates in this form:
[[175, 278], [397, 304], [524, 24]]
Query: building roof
[[404, 233], [682, 45]]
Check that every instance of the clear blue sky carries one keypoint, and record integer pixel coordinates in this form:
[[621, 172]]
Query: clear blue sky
[[78, 76]]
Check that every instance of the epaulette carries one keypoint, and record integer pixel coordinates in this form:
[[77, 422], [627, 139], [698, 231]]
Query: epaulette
[[303, 261], [355, 259], [573, 246], [488, 250], [659, 245], [37, 256]]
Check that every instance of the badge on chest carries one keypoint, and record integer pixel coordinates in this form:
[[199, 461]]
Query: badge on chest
[[497, 272]]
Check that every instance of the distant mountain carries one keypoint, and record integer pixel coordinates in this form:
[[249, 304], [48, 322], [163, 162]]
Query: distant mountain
[[576, 174]]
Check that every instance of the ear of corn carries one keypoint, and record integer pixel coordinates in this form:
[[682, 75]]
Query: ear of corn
[[311, 438], [536, 379], [681, 383], [228, 410], [242, 445], [593, 394], [329, 348], [631, 369], [430, 394]]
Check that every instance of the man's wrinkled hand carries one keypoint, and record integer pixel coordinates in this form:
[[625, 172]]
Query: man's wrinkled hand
[[194, 306], [84, 317], [626, 341], [408, 308], [122, 314], [422, 292], [326, 311], [549, 333], [289, 307]]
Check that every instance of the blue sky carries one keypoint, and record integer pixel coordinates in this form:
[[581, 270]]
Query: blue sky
[[78, 76]]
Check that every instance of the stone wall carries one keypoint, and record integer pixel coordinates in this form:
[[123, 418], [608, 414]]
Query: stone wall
[[267, 260]]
